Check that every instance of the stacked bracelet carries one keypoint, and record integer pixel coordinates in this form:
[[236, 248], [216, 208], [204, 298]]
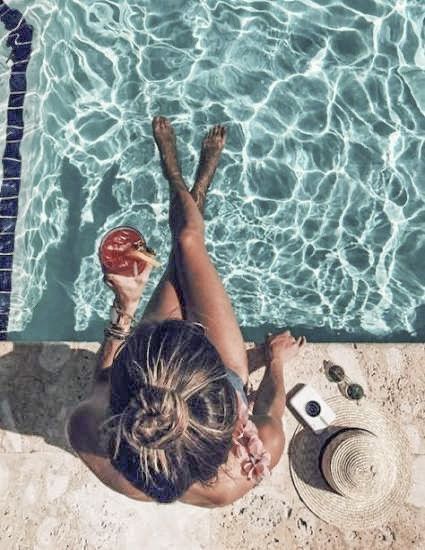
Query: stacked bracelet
[[116, 332], [113, 329]]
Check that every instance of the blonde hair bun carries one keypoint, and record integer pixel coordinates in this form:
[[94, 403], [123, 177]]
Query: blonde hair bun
[[157, 418]]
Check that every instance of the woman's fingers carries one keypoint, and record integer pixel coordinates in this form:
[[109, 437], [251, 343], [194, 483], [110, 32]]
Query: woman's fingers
[[300, 341]]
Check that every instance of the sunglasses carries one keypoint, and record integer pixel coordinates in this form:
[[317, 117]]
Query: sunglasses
[[335, 373]]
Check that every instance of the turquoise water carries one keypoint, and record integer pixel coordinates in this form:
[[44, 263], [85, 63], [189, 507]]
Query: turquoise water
[[315, 219]]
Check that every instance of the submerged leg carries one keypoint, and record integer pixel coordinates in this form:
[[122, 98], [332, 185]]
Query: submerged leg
[[167, 299], [208, 162]]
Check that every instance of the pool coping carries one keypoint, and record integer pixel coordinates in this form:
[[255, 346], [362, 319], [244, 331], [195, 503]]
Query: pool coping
[[43, 382]]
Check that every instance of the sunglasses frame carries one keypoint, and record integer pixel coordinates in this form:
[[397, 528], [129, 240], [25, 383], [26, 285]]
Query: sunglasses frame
[[345, 383]]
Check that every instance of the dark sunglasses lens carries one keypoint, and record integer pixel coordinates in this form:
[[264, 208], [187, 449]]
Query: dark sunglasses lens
[[354, 391], [336, 373]]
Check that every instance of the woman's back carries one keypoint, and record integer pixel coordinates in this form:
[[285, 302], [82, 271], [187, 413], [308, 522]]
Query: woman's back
[[83, 434]]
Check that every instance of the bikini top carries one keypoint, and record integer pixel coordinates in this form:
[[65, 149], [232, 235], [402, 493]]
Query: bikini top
[[248, 446]]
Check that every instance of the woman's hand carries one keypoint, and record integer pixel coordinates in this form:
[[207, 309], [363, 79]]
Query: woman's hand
[[282, 347], [128, 290]]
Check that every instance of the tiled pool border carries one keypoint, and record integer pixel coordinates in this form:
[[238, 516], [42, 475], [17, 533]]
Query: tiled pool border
[[19, 40]]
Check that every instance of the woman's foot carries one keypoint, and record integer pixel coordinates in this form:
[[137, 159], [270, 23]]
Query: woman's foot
[[165, 138], [212, 146], [183, 212]]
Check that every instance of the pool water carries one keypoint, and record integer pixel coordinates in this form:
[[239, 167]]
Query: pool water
[[316, 215]]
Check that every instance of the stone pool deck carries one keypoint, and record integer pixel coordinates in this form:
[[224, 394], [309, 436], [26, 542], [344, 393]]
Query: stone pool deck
[[50, 500]]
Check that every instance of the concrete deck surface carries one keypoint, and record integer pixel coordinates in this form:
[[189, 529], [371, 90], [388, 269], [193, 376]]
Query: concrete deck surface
[[50, 500]]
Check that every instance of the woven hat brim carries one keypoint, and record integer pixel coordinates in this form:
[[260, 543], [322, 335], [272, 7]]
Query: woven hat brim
[[304, 461]]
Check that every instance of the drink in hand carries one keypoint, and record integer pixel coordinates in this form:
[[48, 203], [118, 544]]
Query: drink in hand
[[121, 248]]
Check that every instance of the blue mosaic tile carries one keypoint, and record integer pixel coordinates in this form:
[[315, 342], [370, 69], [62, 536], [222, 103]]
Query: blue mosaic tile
[[11, 18], [18, 83], [21, 52], [6, 260], [9, 188], [8, 207], [11, 168], [3, 10], [4, 319], [7, 225], [13, 134], [4, 303], [12, 150], [6, 243], [6, 280], [21, 35], [16, 100], [15, 117], [20, 66]]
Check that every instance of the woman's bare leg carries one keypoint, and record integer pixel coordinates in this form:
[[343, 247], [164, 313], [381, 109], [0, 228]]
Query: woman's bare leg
[[204, 297], [167, 300]]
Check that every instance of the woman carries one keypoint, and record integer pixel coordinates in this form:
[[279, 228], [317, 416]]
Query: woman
[[168, 405]]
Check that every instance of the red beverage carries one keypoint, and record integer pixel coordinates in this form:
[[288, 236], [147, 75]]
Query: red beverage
[[116, 248]]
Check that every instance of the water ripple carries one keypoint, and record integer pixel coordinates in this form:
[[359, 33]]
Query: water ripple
[[316, 213]]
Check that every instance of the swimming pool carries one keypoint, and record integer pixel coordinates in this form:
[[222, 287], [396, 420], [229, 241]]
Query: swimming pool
[[315, 218]]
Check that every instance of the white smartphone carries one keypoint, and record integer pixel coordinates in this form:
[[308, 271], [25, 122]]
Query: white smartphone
[[312, 408]]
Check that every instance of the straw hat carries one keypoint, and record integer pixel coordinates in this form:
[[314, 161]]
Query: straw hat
[[357, 471]]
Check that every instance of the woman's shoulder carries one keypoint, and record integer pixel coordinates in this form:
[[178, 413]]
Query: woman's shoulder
[[83, 435], [82, 430], [80, 426]]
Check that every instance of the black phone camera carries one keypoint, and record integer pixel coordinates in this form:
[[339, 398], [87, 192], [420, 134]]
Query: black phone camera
[[312, 408]]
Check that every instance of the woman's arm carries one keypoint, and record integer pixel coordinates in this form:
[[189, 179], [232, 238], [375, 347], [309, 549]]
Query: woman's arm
[[111, 345], [128, 291], [270, 399], [278, 350]]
